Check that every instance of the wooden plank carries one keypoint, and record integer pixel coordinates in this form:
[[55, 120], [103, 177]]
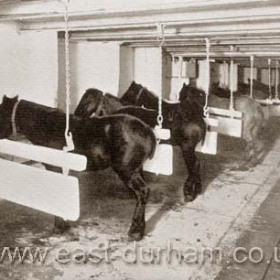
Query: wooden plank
[[265, 101], [163, 134], [210, 144], [162, 162], [224, 112], [273, 110], [43, 190], [211, 122], [43, 154], [228, 126]]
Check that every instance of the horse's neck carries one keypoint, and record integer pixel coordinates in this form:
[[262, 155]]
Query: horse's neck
[[36, 121], [219, 102], [112, 104]]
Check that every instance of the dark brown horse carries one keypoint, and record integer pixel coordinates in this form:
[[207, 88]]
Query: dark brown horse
[[185, 121], [260, 91], [252, 122], [122, 142]]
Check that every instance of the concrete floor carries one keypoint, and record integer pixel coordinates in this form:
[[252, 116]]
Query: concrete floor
[[224, 216]]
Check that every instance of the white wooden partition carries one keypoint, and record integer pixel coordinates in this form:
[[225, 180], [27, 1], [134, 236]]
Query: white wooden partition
[[47, 191]]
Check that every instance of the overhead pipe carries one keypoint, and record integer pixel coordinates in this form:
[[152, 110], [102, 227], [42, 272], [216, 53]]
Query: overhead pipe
[[228, 54]]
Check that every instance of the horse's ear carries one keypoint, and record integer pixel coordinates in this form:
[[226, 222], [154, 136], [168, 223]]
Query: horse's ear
[[4, 97], [16, 97]]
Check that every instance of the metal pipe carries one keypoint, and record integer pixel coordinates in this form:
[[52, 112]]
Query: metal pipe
[[251, 75], [277, 80], [269, 78], [228, 54]]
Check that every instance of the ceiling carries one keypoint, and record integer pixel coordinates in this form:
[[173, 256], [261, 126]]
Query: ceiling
[[236, 28]]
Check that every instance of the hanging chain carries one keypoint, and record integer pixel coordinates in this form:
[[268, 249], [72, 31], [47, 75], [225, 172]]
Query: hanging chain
[[269, 78], [68, 135], [207, 78], [160, 38], [231, 104], [251, 75], [276, 79]]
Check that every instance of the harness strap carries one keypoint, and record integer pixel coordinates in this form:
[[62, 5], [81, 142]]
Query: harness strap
[[13, 119], [99, 107], [139, 95]]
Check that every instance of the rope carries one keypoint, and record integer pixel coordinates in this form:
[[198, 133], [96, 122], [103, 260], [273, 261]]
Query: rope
[[276, 80], [68, 135], [251, 75], [160, 38], [207, 78], [13, 119], [231, 104], [269, 78]]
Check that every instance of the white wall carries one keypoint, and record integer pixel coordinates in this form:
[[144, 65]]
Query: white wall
[[247, 74], [176, 79], [92, 64], [147, 68], [126, 68], [28, 64], [224, 76], [265, 76]]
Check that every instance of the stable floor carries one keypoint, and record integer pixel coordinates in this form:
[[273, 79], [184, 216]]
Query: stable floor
[[237, 208]]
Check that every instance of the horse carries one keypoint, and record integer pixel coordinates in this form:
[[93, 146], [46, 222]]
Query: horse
[[252, 122], [184, 120], [121, 142], [260, 91]]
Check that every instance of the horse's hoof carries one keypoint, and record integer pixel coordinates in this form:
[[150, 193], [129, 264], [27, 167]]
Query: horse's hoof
[[189, 198], [136, 233], [61, 230], [240, 168], [136, 236]]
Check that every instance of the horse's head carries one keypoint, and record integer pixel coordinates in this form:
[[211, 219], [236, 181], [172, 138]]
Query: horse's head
[[192, 93], [6, 109], [140, 96], [130, 96], [110, 105], [89, 103]]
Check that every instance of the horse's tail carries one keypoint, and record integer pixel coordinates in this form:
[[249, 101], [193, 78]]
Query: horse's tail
[[154, 144], [263, 115], [203, 136], [204, 130]]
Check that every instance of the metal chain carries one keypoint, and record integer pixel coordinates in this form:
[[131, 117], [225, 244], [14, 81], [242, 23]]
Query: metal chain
[[269, 78], [160, 38], [207, 78], [251, 75], [231, 104], [276, 79], [68, 135]]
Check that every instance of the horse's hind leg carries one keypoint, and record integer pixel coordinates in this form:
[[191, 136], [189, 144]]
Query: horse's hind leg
[[192, 185], [253, 147], [136, 183], [60, 225]]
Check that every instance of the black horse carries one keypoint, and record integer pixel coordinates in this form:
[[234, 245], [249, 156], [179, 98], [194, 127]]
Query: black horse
[[260, 91], [185, 121], [120, 141], [252, 121]]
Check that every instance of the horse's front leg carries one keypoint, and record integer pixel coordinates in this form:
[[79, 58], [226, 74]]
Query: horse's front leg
[[192, 185], [60, 225]]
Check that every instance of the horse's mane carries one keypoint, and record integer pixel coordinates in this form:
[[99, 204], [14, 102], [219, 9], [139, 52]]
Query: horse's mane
[[43, 109], [111, 96]]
